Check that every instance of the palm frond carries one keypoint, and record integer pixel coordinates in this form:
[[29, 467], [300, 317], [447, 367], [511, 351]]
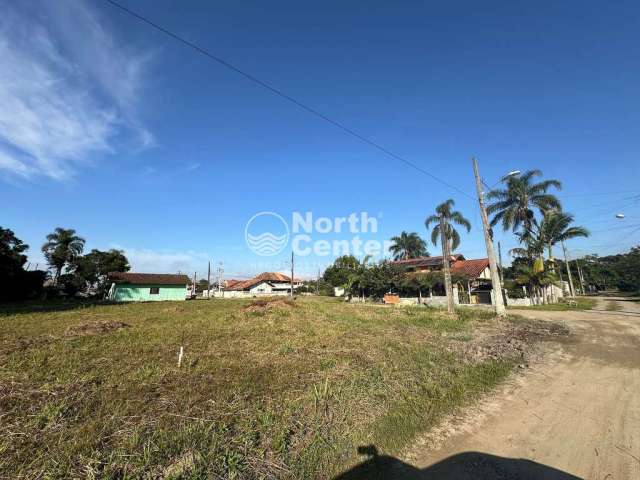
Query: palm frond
[[435, 234], [457, 218], [454, 237], [432, 219]]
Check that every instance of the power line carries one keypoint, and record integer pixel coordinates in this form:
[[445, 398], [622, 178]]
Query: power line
[[619, 192], [616, 228], [283, 95]]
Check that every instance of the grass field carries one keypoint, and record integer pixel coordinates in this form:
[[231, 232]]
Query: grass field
[[583, 303], [276, 390]]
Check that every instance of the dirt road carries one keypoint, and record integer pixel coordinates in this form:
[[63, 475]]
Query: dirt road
[[576, 414]]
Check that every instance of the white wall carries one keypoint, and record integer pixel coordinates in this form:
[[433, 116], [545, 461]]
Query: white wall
[[262, 287]]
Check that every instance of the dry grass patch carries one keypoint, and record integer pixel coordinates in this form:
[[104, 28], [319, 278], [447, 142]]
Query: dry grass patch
[[268, 389], [94, 327]]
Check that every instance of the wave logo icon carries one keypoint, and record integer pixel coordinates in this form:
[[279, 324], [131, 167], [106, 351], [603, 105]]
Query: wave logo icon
[[266, 234]]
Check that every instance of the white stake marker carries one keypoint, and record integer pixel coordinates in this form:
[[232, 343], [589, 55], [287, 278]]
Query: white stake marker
[[180, 356]]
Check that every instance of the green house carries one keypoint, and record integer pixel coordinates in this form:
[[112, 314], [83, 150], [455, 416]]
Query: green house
[[147, 287]]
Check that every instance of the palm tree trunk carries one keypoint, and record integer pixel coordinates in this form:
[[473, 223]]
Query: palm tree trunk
[[553, 270], [445, 264], [56, 276]]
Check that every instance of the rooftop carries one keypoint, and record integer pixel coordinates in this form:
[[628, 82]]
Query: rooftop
[[149, 278]]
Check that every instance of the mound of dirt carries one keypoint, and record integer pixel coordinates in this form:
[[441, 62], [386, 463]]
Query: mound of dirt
[[267, 304], [515, 342], [94, 328]]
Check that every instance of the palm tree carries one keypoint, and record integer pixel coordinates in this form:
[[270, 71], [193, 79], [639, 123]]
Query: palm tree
[[514, 206], [443, 227], [556, 228], [408, 245], [534, 245], [444, 212], [61, 248], [538, 279]]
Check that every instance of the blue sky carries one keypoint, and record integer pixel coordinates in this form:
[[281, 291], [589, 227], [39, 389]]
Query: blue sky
[[140, 143]]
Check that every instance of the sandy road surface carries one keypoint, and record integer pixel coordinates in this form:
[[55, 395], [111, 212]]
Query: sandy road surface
[[576, 414]]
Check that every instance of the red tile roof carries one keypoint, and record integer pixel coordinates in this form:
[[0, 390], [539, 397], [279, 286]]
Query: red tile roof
[[470, 268], [263, 277], [426, 261], [244, 284], [273, 277], [149, 278]]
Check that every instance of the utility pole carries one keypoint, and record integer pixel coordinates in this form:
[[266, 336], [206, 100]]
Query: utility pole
[[495, 277], [500, 262], [566, 262], [292, 274], [220, 276], [209, 280], [318, 283], [193, 290], [445, 263], [580, 277]]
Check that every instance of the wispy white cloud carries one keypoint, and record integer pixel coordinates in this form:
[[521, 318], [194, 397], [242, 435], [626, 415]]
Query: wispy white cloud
[[164, 261], [191, 167], [68, 90]]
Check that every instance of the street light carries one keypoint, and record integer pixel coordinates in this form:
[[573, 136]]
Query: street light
[[512, 173]]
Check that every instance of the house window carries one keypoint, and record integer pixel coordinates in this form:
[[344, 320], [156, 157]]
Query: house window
[[154, 290]]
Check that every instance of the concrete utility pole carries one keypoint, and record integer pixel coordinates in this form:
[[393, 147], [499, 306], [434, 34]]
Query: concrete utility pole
[[445, 264], [291, 274], [220, 277], [566, 262], [500, 262], [209, 280], [580, 277], [495, 277]]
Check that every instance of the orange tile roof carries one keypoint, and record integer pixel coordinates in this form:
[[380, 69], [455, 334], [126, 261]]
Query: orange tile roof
[[426, 261], [470, 268], [263, 277]]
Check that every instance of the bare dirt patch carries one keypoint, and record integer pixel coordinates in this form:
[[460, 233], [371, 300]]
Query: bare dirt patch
[[96, 327], [267, 304], [576, 411], [518, 341]]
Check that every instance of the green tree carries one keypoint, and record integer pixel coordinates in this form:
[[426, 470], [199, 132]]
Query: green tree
[[443, 228], [556, 228], [536, 279], [15, 282], [12, 257], [408, 245], [514, 206], [445, 212], [338, 274], [62, 247], [91, 270]]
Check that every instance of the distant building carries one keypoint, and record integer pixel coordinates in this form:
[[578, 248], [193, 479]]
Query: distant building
[[267, 283], [476, 288], [147, 287]]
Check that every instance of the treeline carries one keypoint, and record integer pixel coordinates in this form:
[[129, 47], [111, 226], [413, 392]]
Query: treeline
[[373, 280], [69, 271], [621, 271]]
